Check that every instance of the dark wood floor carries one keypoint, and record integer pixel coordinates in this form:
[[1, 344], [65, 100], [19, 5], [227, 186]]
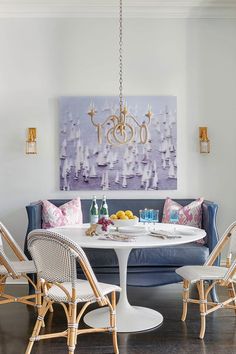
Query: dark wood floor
[[173, 337]]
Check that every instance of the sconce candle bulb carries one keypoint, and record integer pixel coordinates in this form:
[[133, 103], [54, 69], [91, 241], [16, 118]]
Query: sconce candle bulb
[[31, 145], [204, 141]]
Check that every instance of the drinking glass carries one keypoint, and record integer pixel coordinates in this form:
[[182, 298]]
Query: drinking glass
[[146, 216], [149, 215], [174, 218], [142, 215], [155, 217]]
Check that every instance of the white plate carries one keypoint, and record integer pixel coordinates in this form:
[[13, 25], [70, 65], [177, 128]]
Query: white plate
[[186, 232], [133, 230]]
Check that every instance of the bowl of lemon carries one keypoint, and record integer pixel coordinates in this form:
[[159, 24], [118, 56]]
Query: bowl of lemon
[[124, 218]]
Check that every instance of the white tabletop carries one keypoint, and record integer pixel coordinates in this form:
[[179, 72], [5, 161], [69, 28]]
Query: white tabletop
[[77, 234]]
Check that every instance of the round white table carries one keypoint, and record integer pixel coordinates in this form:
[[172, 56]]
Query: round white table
[[129, 318]]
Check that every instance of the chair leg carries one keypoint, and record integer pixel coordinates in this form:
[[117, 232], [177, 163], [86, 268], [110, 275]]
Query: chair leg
[[232, 293], [72, 328], [113, 322], [51, 307], [185, 299], [2, 284], [38, 297], [42, 312], [202, 308], [38, 294]]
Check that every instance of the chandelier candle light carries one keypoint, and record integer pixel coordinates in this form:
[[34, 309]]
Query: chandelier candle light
[[124, 124]]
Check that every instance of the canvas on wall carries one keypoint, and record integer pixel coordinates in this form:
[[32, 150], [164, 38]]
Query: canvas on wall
[[87, 165]]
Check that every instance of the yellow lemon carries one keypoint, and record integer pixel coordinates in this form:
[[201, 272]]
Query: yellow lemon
[[113, 217], [133, 217], [120, 214], [124, 217], [129, 213]]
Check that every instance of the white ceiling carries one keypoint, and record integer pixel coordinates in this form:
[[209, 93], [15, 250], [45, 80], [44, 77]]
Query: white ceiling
[[109, 8]]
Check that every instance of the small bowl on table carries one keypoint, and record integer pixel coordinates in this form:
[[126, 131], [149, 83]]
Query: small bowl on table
[[124, 222]]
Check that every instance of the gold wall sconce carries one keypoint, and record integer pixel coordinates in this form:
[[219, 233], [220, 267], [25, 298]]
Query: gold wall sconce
[[204, 140], [31, 145]]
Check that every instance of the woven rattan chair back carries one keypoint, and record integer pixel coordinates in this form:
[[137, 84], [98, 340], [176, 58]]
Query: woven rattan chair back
[[5, 261], [232, 242], [227, 239], [55, 258], [7, 237]]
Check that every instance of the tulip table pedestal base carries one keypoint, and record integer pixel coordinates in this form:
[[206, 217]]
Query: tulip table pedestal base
[[129, 318]]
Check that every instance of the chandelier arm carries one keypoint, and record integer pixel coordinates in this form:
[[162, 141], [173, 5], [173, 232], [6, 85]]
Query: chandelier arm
[[126, 140], [112, 132], [95, 124], [111, 117], [108, 136], [143, 138], [149, 120], [120, 142], [134, 119], [99, 133], [116, 142]]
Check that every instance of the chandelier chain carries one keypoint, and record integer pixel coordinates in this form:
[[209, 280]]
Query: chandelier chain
[[121, 56]]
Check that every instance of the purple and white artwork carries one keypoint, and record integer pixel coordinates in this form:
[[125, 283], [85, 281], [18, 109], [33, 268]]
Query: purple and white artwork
[[87, 165]]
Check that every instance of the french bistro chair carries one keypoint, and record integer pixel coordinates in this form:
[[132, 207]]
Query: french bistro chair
[[207, 276], [15, 270], [55, 258]]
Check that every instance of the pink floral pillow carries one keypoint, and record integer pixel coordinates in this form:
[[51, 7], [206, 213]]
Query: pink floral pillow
[[190, 214], [67, 214]]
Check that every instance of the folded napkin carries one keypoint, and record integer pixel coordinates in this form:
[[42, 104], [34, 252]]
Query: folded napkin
[[116, 237], [164, 234]]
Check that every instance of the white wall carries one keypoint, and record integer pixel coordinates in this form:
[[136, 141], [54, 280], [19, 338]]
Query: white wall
[[42, 59]]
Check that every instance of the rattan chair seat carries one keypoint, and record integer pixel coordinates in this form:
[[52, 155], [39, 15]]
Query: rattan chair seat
[[84, 291], [195, 273], [20, 267]]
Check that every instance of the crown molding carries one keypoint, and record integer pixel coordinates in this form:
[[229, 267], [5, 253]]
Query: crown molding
[[109, 9]]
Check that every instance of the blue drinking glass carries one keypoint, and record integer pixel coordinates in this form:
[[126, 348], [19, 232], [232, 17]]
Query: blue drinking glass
[[142, 215], [155, 215], [174, 216], [150, 215]]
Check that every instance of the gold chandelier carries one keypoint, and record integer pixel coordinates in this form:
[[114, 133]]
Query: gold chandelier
[[125, 124]]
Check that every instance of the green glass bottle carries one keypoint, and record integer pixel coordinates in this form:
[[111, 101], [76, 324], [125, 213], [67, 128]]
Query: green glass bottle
[[103, 212], [93, 213]]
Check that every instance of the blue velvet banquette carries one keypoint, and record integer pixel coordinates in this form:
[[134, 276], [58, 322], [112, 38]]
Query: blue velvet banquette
[[146, 267]]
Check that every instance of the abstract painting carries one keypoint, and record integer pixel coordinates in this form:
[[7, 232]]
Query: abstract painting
[[87, 165]]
